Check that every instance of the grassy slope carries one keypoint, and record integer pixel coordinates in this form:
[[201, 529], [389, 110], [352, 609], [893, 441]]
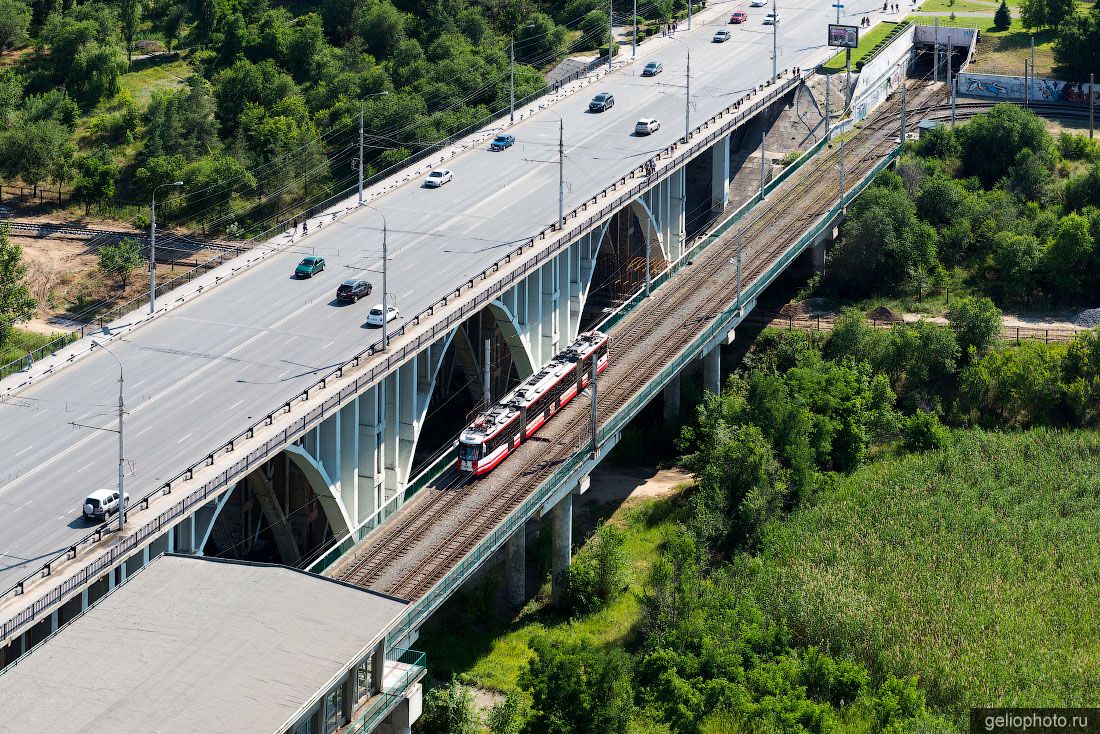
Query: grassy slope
[[150, 78], [495, 649], [22, 342], [974, 567]]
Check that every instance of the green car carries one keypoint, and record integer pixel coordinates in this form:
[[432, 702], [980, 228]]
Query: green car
[[309, 267]]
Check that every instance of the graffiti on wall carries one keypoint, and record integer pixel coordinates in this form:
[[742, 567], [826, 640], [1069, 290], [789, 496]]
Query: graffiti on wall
[[1012, 87]]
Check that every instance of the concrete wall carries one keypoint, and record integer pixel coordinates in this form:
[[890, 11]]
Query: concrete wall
[[944, 34], [882, 74], [997, 86]]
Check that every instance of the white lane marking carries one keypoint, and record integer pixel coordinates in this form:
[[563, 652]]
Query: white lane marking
[[189, 435], [234, 405], [85, 466]]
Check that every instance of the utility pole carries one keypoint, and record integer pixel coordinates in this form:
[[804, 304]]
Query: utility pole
[[740, 235], [936, 52], [842, 173], [687, 99], [153, 247], [360, 153], [1027, 92], [634, 31], [121, 445], [954, 91], [689, 14], [592, 381], [775, 42], [512, 79], [561, 173], [485, 374], [385, 273], [828, 84], [1092, 100], [1033, 58], [762, 139], [903, 85], [610, 30], [847, 74]]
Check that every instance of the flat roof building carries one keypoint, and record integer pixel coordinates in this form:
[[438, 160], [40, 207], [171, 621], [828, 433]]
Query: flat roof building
[[191, 644]]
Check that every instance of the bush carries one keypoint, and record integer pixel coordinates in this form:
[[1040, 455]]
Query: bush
[[120, 259], [448, 709], [924, 432], [598, 574]]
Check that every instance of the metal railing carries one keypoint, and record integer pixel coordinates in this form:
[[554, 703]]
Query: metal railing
[[426, 604], [588, 216], [388, 698]]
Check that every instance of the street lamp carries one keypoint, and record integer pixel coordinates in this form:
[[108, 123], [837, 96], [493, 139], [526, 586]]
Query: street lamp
[[561, 168], [385, 270], [153, 246], [121, 454], [687, 88], [383, 93]]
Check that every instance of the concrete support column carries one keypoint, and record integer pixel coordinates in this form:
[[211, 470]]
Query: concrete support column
[[818, 254], [562, 545], [347, 700], [720, 174], [516, 567], [671, 398], [712, 370], [378, 666]]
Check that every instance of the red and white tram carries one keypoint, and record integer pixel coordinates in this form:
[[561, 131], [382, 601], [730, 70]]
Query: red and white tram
[[501, 429]]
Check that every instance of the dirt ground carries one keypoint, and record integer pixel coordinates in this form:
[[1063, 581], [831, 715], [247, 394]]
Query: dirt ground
[[55, 266]]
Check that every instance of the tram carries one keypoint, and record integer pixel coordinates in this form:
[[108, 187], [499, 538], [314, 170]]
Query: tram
[[500, 430]]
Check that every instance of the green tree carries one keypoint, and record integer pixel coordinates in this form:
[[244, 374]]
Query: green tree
[[129, 14], [182, 122], [578, 689], [507, 717], [924, 432], [15, 19], [29, 151], [1067, 257], [1083, 189], [977, 323], [1033, 13], [96, 177], [594, 31], [449, 709], [991, 141], [120, 259], [16, 302], [381, 26], [1017, 259], [1077, 46], [539, 40], [1002, 19], [96, 71], [598, 574]]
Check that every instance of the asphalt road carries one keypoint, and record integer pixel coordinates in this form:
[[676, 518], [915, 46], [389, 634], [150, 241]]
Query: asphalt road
[[203, 372]]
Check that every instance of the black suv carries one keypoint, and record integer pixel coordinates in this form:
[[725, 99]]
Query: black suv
[[602, 101], [353, 289]]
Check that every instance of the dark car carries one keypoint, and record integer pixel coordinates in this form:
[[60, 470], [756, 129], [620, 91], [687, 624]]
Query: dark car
[[653, 68], [309, 266], [601, 102], [353, 289], [502, 141]]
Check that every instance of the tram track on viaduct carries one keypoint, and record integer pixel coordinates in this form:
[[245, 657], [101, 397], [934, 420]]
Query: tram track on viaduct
[[409, 554]]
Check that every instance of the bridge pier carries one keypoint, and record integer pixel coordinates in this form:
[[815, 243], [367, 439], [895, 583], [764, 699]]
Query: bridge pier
[[720, 175], [561, 546], [712, 370], [671, 398], [516, 567]]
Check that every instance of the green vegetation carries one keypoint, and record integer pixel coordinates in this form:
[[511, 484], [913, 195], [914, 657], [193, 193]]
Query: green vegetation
[[870, 41], [20, 343], [257, 107], [967, 566], [16, 302], [996, 203]]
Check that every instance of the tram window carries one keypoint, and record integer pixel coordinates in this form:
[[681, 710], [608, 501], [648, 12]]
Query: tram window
[[466, 452]]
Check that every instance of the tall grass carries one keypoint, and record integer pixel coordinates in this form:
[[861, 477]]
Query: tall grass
[[976, 567]]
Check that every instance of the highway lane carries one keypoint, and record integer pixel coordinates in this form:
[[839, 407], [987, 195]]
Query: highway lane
[[201, 373]]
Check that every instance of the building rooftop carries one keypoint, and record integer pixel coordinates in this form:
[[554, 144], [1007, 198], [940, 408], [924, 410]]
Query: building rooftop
[[191, 644]]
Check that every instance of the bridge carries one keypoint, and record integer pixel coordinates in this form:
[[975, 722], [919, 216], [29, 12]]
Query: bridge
[[259, 408]]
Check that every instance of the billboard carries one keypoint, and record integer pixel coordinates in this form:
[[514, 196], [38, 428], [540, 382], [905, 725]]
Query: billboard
[[845, 36]]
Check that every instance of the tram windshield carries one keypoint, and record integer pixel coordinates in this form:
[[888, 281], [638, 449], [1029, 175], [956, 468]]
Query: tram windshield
[[469, 452]]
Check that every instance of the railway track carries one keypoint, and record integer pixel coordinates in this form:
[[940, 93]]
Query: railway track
[[408, 555]]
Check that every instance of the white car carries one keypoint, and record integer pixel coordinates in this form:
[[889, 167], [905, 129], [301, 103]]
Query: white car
[[758, 3], [438, 177], [101, 504], [647, 126], [722, 36], [771, 18], [374, 318]]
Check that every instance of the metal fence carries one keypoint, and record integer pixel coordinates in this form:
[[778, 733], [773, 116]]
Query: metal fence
[[588, 214], [387, 699]]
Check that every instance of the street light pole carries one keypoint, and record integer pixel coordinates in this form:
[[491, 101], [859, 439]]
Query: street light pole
[[383, 93], [775, 42], [634, 31], [385, 272], [121, 445], [153, 247], [512, 79], [610, 30], [687, 98]]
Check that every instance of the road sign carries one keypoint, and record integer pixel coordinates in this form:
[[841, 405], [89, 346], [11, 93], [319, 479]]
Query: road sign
[[845, 36]]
